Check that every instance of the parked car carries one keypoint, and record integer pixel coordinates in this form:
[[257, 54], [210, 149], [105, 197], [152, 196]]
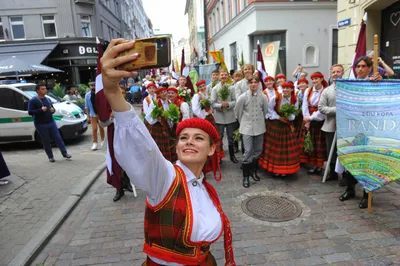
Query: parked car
[[16, 125]]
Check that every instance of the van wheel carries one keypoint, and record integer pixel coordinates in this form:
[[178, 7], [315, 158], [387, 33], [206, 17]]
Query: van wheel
[[38, 139]]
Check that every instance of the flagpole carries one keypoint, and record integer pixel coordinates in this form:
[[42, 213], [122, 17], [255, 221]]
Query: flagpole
[[328, 163], [375, 63]]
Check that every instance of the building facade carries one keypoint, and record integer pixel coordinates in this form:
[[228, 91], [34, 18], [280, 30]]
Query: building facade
[[300, 32], [183, 44], [62, 33], [195, 11], [383, 19]]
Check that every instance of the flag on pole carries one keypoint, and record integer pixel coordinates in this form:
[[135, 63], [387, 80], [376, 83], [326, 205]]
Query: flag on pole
[[219, 59], [361, 47], [196, 54], [104, 112], [174, 70], [185, 72], [262, 74]]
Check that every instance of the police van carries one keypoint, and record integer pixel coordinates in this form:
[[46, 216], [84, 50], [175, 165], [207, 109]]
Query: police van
[[16, 125]]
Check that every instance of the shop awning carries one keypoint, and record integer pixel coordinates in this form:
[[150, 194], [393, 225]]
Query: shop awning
[[34, 52]]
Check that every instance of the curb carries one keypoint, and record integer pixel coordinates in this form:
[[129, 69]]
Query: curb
[[41, 238], [394, 187]]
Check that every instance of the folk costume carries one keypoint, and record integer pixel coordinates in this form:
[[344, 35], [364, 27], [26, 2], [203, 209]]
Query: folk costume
[[270, 93], [318, 156], [225, 117], [161, 130], [202, 113], [298, 122], [181, 104], [281, 150], [183, 215], [251, 110], [148, 100], [280, 76]]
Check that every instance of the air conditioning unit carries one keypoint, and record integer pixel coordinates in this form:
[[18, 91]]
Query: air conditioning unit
[[69, 35]]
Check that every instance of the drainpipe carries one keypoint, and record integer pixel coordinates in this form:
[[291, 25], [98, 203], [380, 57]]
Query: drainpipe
[[206, 29]]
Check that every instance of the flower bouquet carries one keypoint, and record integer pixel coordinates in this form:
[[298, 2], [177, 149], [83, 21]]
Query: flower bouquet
[[157, 111], [185, 94], [223, 94], [288, 109], [205, 104]]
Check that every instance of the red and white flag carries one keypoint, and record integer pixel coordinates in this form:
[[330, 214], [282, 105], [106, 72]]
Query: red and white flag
[[361, 48], [262, 74], [104, 112], [185, 72], [174, 74]]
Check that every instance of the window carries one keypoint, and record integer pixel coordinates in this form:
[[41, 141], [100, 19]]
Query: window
[[17, 28], [1, 31], [222, 14], [228, 13], [11, 99], [86, 28], [49, 26], [233, 56], [335, 46], [218, 21], [311, 55]]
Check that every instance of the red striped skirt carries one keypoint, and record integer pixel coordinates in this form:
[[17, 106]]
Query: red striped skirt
[[281, 149], [162, 136], [318, 156], [219, 145]]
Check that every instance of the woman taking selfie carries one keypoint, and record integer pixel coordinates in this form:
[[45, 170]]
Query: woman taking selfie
[[183, 215]]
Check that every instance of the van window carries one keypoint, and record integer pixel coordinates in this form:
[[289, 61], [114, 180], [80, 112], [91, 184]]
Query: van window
[[11, 99]]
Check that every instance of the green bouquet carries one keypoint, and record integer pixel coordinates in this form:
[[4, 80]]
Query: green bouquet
[[288, 109], [308, 145], [172, 114], [205, 104], [157, 111], [236, 135], [223, 93]]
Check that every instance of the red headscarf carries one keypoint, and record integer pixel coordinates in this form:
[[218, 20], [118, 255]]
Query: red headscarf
[[320, 75], [290, 84]]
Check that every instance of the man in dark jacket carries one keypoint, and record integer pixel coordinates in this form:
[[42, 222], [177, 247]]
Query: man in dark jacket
[[42, 111]]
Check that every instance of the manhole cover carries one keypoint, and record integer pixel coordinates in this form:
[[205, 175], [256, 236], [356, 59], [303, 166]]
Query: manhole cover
[[271, 208]]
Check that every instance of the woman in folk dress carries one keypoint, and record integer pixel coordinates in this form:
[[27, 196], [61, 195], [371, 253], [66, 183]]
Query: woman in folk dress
[[205, 113], [281, 149], [183, 214], [313, 122]]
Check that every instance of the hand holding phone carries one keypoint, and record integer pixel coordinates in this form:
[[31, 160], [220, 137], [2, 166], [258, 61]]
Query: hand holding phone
[[153, 52]]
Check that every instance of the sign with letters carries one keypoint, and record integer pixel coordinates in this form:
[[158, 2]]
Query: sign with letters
[[368, 130], [344, 23]]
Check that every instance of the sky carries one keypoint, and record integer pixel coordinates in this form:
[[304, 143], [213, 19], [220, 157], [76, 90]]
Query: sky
[[168, 16]]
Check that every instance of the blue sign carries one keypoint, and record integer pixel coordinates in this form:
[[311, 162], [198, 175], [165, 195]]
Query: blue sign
[[344, 23]]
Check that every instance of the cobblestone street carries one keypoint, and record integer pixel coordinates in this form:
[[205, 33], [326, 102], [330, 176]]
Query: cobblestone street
[[39, 188], [101, 232]]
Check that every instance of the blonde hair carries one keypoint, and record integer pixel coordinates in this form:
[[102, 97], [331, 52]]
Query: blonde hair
[[249, 65], [337, 65]]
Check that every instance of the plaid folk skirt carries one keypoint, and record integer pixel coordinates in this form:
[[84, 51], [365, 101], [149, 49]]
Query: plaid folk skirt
[[210, 261], [281, 149], [219, 145], [161, 134], [318, 156]]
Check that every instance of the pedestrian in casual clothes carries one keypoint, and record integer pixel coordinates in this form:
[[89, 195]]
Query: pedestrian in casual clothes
[[224, 110], [42, 110], [91, 112], [250, 110]]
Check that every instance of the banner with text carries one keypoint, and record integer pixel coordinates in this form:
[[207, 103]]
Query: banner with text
[[270, 53], [204, 71], [368, 130]]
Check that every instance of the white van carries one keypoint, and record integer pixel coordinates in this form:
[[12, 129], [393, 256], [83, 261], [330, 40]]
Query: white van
[[16, 125]]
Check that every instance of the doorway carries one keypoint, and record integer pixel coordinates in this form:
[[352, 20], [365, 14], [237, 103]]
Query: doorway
[[390, 37]]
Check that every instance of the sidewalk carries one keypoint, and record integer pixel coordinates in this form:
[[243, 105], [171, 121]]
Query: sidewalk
[[40, 188], [102, 232]]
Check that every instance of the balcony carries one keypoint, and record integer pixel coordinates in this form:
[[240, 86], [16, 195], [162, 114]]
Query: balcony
[[92, 2]]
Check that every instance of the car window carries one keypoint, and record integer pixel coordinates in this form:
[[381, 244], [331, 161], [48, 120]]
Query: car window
[[11, 99], [49, 96]]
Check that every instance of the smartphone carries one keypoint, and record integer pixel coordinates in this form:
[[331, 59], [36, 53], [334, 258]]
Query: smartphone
[[154, 52]]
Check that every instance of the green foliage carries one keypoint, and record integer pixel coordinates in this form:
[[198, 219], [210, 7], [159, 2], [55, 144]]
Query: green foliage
[[58, 90], [142, 117], [236, 135], [213, 83], [288, 109], [224, 92], [205, 103], [308, 145], [82, 89], [157, 111], [173, 113]]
